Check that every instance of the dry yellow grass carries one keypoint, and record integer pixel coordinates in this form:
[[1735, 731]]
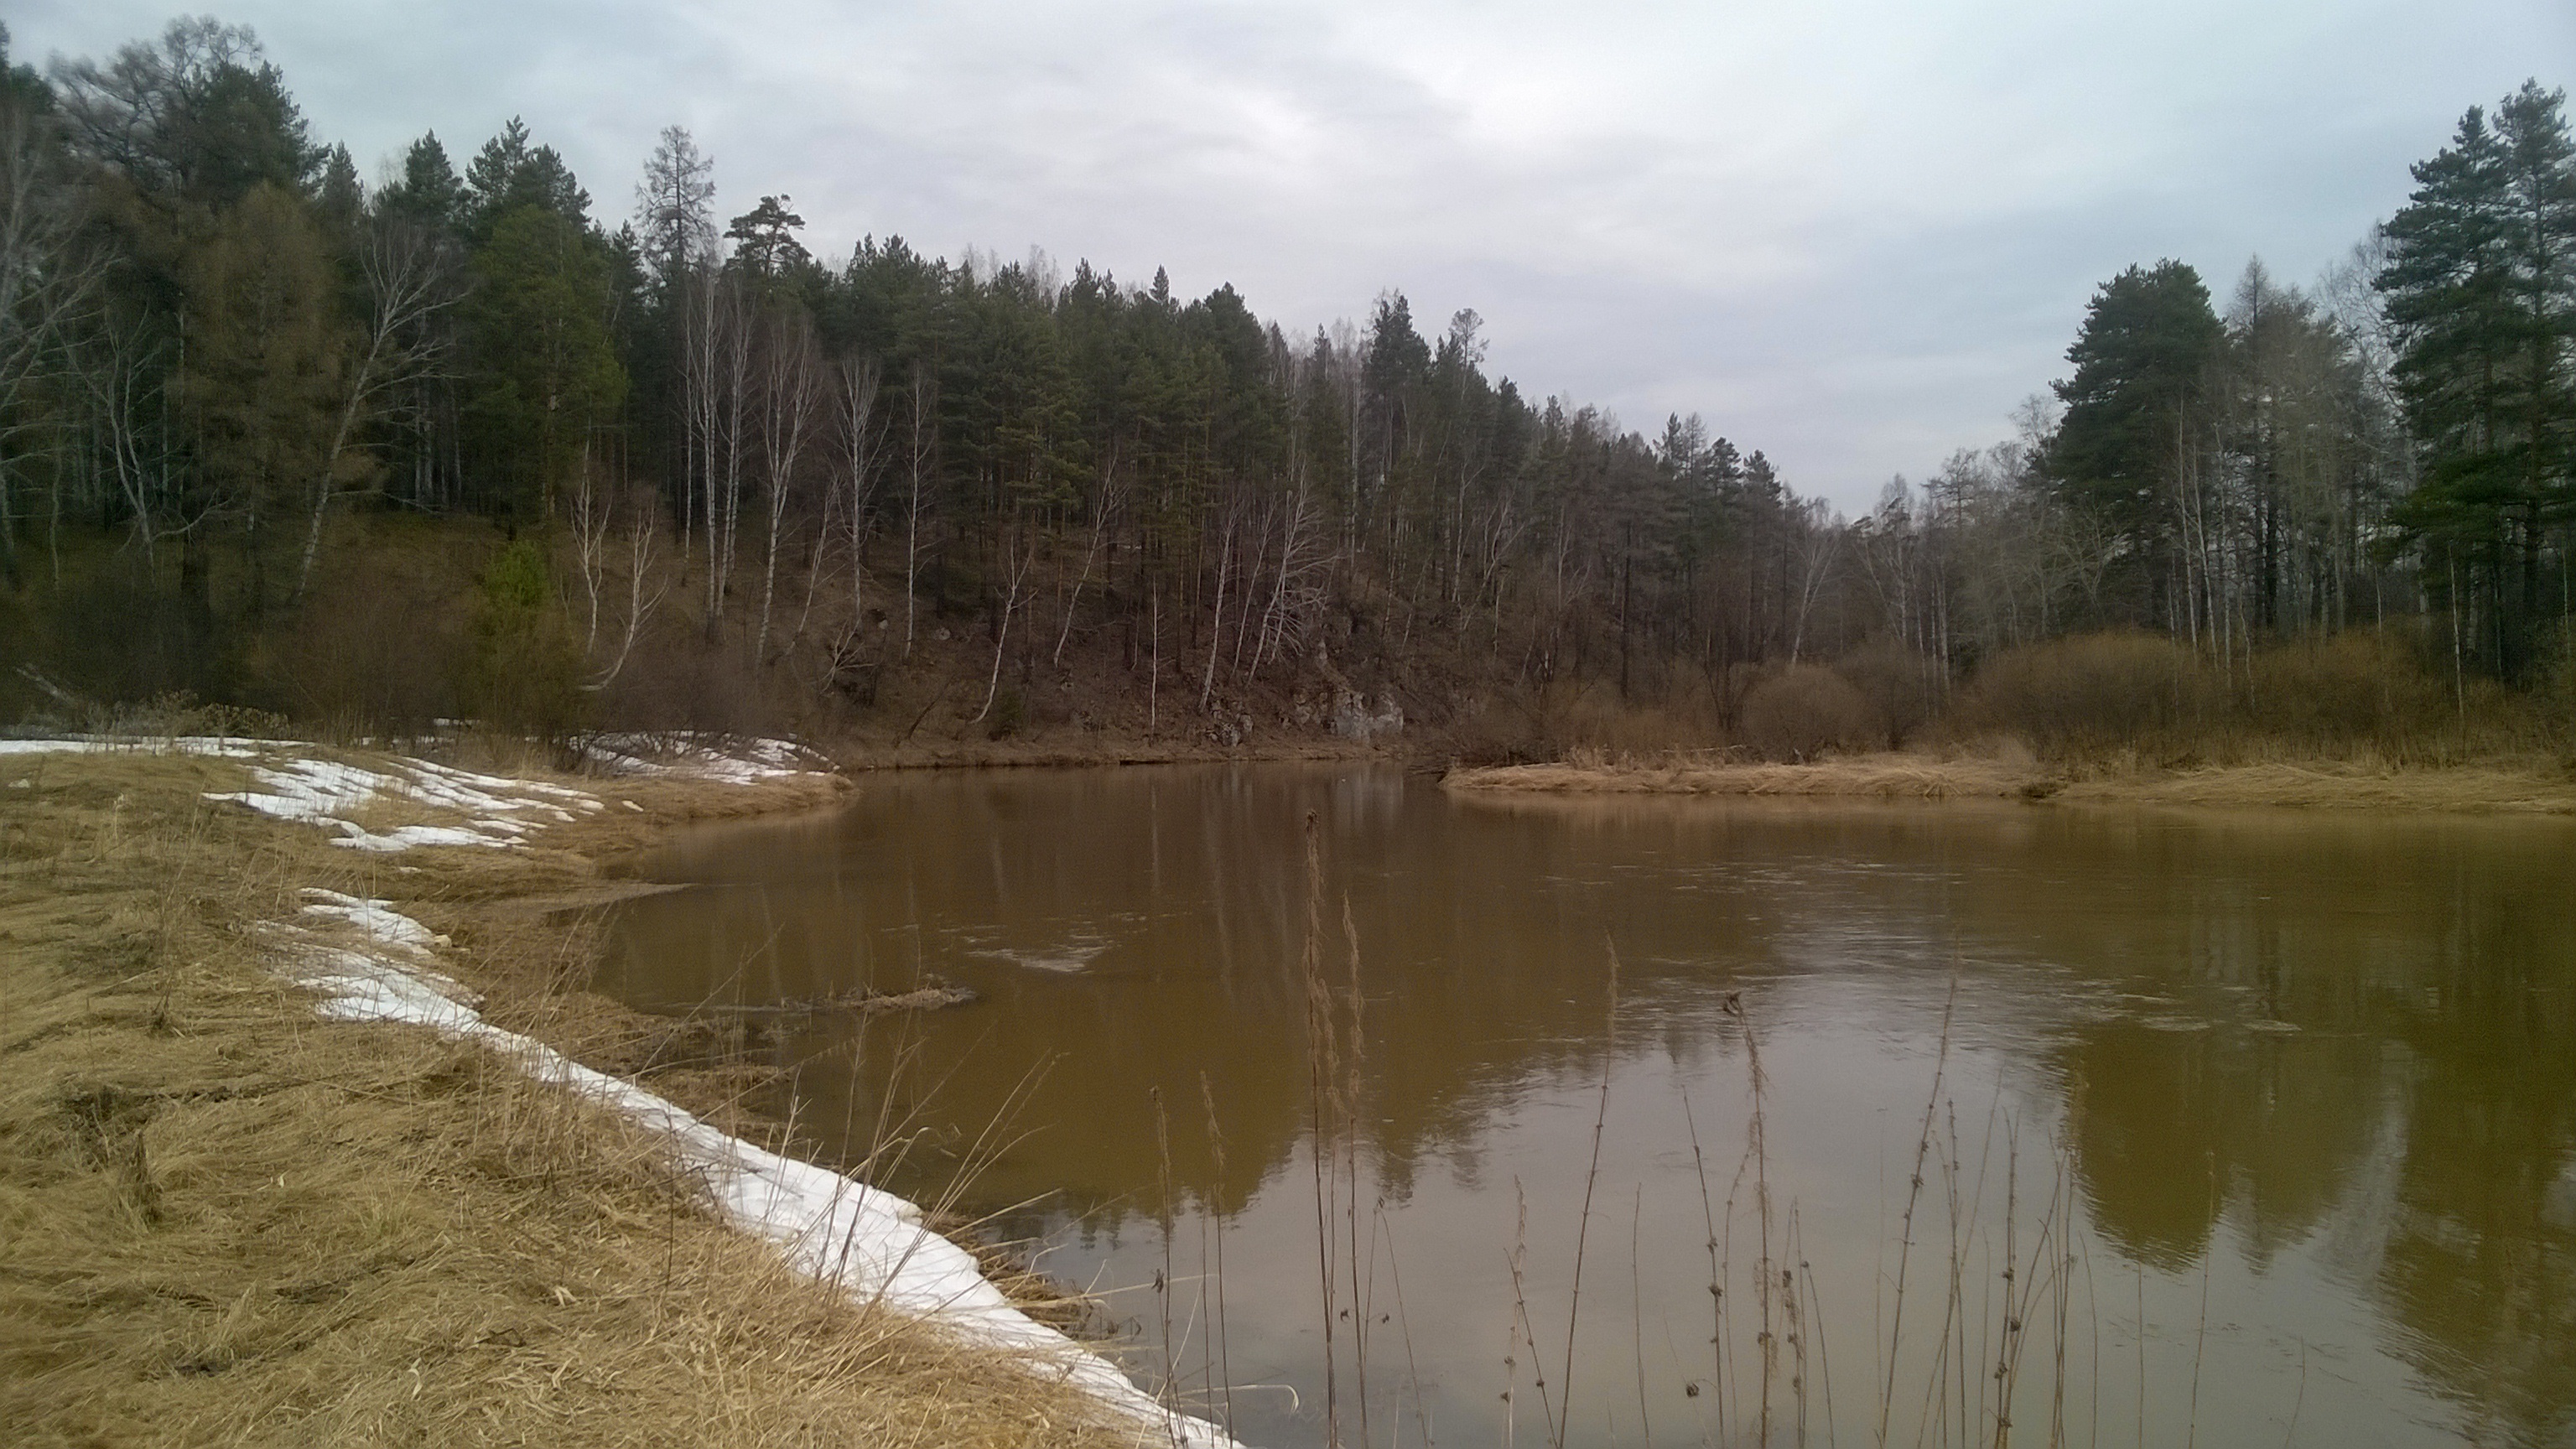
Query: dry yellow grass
[[2518, 787], [222, 1220], [2534, 788], [1885, 777]]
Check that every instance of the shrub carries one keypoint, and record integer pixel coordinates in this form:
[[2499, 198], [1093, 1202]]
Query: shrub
[[1903, 688], [526, 674], [1805, 710], [375, 649], [1492, 736], [1010, 712], [2095, 691], [1619, 731], [2353, 688]]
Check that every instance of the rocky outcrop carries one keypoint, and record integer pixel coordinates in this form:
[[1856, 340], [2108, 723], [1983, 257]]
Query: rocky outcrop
[[1353, 717]]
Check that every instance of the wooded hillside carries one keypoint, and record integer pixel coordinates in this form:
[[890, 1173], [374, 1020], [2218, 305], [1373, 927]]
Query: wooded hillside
[[479, 444]]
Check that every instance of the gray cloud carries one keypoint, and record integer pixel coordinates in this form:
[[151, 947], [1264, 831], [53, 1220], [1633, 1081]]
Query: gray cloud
[[1852, 233]]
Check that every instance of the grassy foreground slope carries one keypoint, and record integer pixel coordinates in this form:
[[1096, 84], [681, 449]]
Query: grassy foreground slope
[[222, 1219]]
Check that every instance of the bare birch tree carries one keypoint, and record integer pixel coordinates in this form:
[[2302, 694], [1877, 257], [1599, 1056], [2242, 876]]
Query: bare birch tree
[[1105, 505], [862, 446], [404, 268], [718, 382], [791, 402], [921, 451], [595, 509], [47, 284]]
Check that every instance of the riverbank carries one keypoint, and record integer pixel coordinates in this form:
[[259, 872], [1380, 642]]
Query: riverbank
[[1068, 749], [225, 1218], [2533, 786]]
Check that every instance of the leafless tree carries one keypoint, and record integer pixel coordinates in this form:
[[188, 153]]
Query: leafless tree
[[862, 445], [47, 286], [130, 111], [921, 451], [674, 207], [1020, 560], [717, 379], [595, 537], [791, 403], [1818, 539], [405, 274], [1105, 504], [121, 366]]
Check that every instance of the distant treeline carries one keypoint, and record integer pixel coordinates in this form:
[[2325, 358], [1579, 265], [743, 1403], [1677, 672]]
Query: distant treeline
[[451, 443]]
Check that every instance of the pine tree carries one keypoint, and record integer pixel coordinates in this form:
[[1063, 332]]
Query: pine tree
[[508, 173], [549, 371], [268, 357], [428, 192], [764, 239], [2147, 340], [341, 199], [2141, 361], [2481, 292], [197, 118]]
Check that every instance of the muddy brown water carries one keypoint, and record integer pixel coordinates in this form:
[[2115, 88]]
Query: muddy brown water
[[2247, 1128]]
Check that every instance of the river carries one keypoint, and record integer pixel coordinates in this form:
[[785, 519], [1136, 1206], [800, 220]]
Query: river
[[2232, 1128]]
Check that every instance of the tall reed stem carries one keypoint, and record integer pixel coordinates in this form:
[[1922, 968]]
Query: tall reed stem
[[1913, 1194], [1320, 1073], [1224, 1349], [1583, 1225]]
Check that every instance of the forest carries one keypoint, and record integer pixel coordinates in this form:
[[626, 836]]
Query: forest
[[465, 441]]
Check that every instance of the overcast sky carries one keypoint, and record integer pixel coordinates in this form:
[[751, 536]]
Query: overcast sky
[[1850, 233]]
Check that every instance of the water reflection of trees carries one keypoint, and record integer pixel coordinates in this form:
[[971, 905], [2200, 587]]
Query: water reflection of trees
[[2481, 1251], [2244, 1010], [2330, 990]]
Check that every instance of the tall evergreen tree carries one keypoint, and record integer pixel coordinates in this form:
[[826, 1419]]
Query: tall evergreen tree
[[764, 239], [340, 199], [197, 118], [268, 354], [2142, 360], [539, 318], [2481, 291], [428, 192], [509, 173]]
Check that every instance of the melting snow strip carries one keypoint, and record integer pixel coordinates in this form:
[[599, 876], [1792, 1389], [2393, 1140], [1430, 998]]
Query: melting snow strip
[[292, 784], [873, 1244], [227, 747]]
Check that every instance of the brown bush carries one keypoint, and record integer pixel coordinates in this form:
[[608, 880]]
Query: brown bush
[[2555, 696], [1497, 736], [1902, 687], [678, 678], [377, 646], [2094, 691], [2381, 694], [2355, 687], [1805, 710], [1598, 720]]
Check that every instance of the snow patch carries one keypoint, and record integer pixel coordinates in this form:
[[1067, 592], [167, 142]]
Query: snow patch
[[294, 784], [701, 756], [377, 920], [225, 747], [328, 792], [871, 1243]]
